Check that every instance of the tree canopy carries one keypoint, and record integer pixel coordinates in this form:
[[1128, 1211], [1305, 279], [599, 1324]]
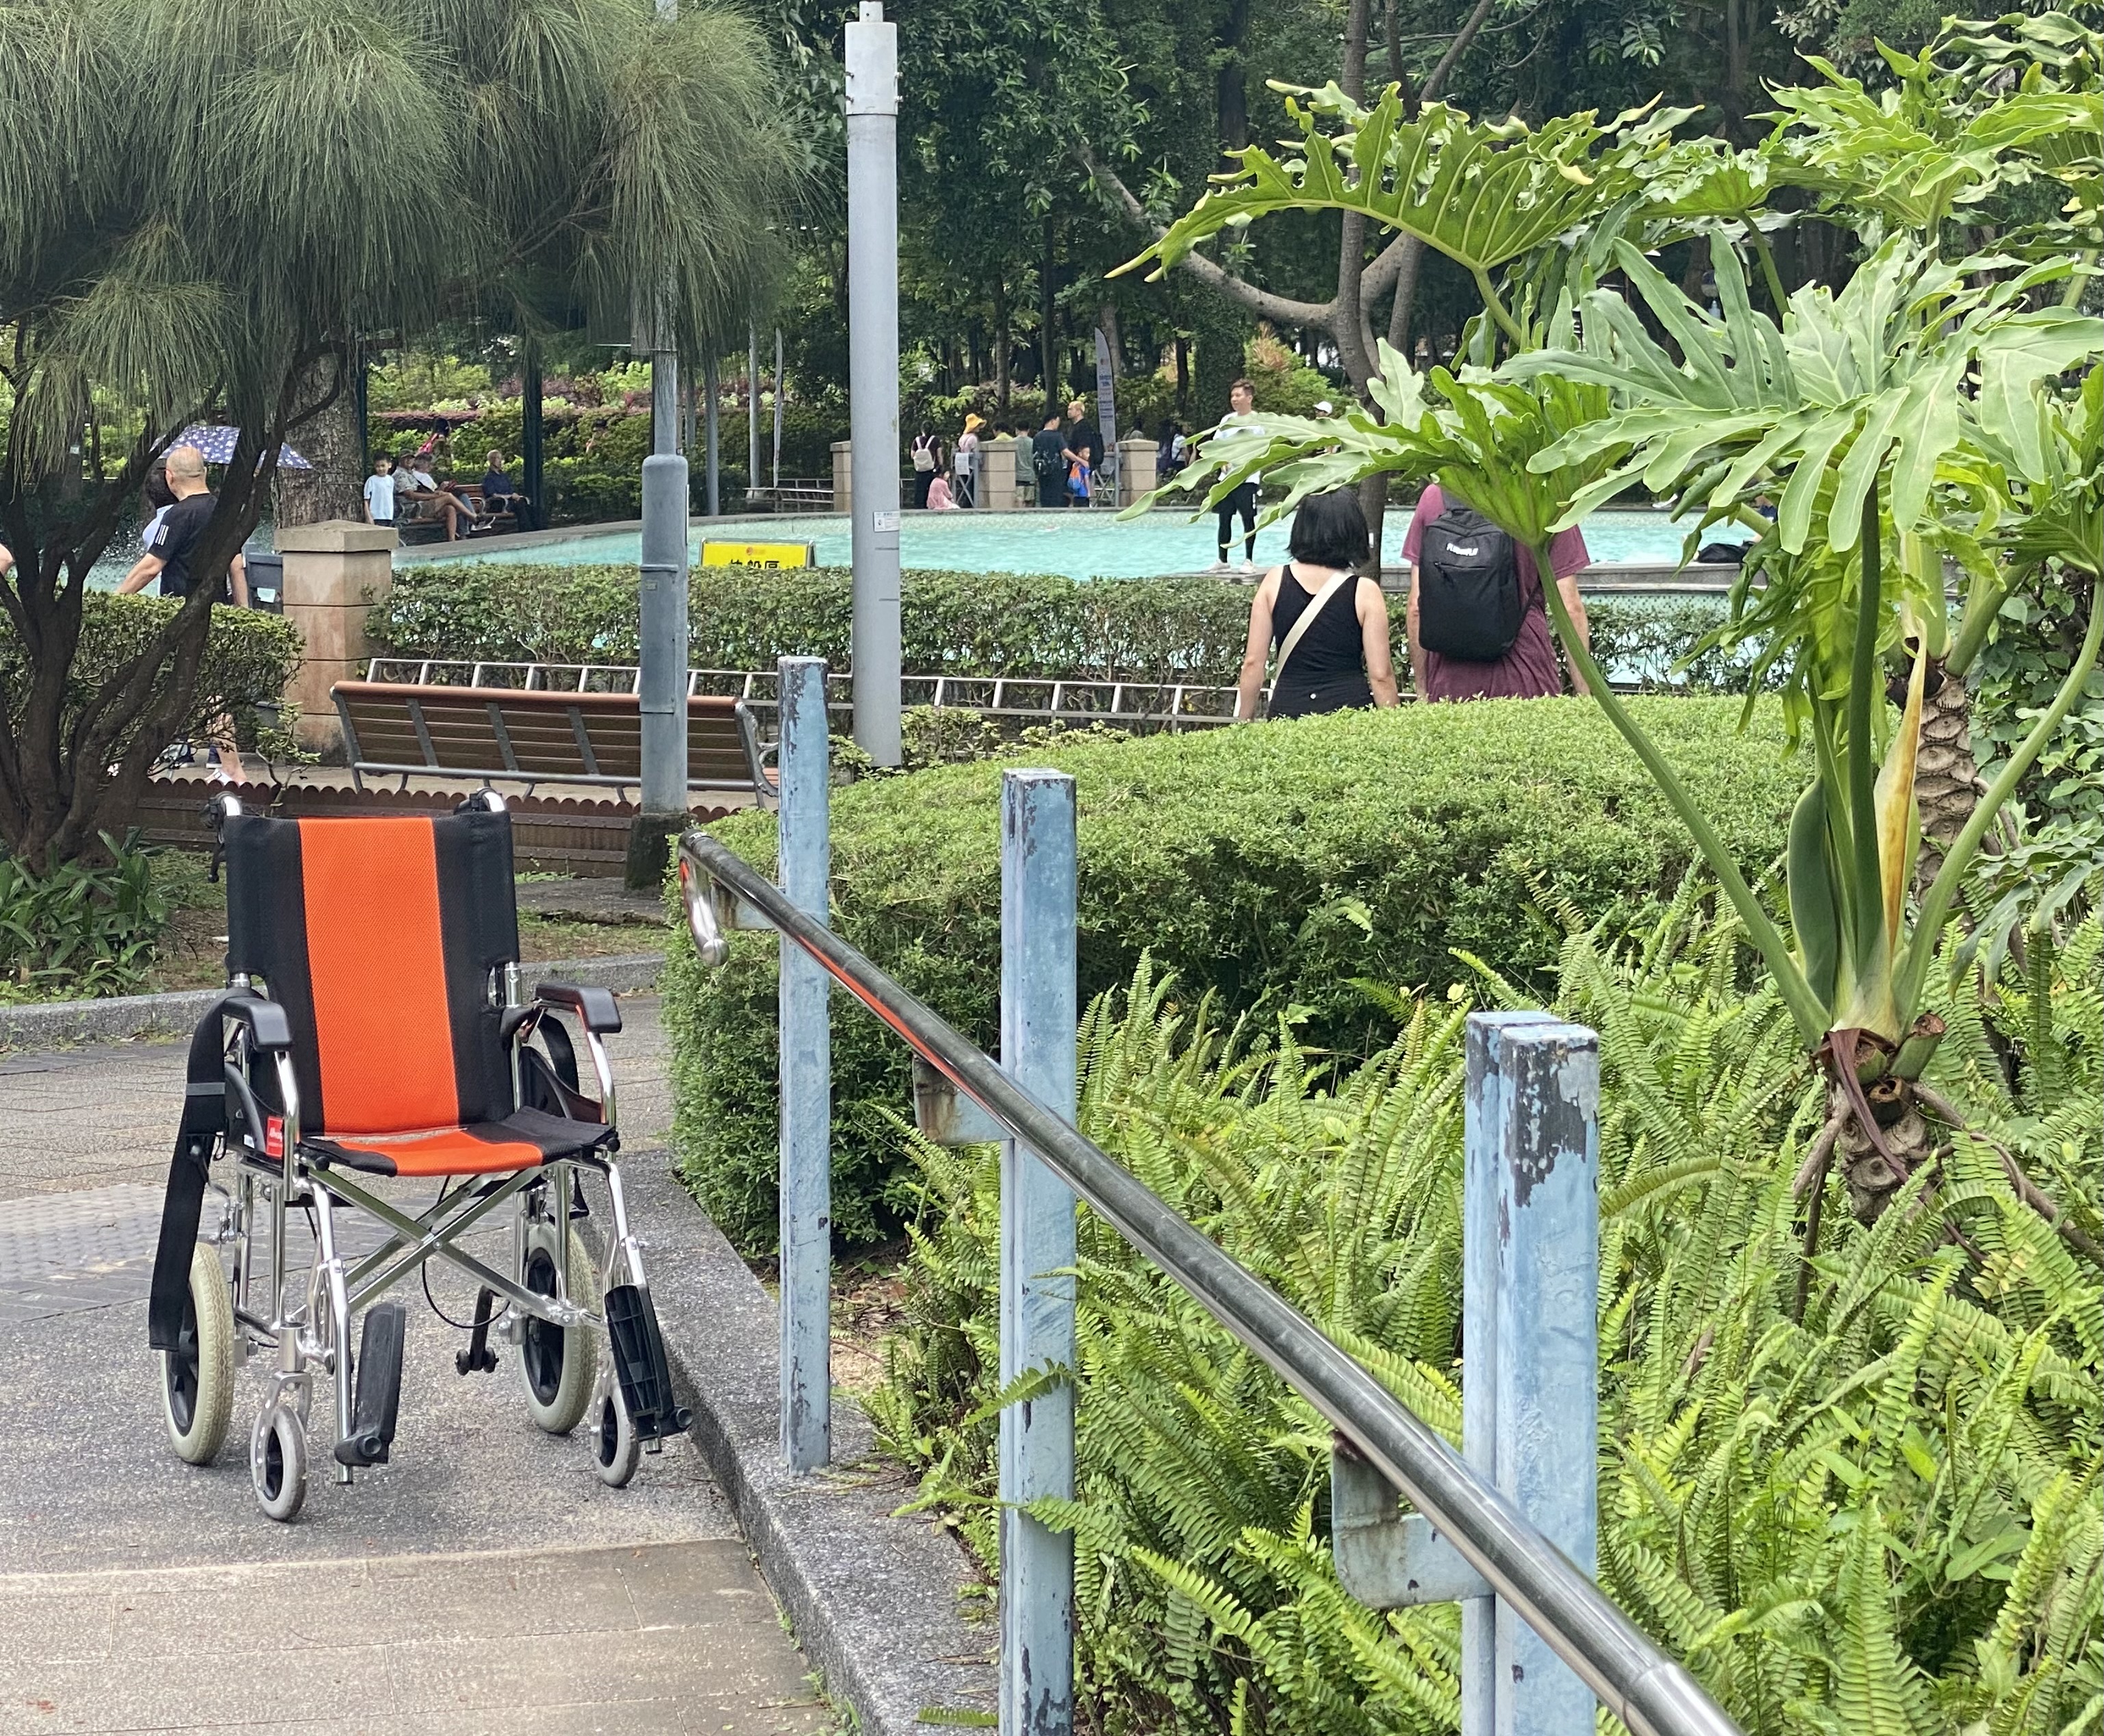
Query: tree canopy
[[203, 203]]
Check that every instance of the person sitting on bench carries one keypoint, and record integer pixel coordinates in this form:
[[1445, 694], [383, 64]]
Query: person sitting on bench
[[499, 496], [432, 498]]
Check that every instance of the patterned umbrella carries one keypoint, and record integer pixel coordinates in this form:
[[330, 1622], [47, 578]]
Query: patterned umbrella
[[217, 446]]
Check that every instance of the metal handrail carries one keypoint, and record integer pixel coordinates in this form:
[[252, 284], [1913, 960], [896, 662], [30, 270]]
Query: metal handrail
[[1651, 1692]]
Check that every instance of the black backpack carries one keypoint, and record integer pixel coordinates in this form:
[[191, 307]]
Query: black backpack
[[1468, 588]]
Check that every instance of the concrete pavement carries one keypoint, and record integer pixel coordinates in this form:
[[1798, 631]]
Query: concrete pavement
[[484, 1581]]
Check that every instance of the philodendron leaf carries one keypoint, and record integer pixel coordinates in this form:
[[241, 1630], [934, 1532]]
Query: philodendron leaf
[[1481, 193]]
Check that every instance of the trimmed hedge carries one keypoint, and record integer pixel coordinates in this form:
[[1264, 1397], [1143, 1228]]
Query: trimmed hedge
[[248, 657], [1021, 624], [1271, 865]]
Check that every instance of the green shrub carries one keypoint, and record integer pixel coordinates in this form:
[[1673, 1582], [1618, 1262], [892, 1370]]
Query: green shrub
[[1008, 624], [1275, 866], [957, 623], [1868, 1504], [248, 658], [84, 928]]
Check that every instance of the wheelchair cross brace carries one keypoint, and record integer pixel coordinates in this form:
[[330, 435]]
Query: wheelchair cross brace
[[432, 1234]]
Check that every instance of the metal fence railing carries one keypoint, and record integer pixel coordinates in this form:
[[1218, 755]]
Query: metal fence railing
[[1507, 1530], [1169, 705]]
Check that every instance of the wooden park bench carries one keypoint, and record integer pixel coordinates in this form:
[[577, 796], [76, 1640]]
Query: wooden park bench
[[424, 524], [538, 737]]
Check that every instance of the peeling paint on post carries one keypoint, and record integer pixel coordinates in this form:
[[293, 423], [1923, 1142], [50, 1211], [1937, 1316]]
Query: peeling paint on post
[[1484, 1121], [804, 854], [1038, 1013], [1534, 1140]]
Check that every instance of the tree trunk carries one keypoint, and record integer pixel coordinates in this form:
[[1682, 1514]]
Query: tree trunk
[[1048, 347], [331, 442], [1000, 350], [1946, 783], [1231, 91]]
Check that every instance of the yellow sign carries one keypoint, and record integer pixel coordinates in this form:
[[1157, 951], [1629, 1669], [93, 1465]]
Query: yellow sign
[[759, 554]]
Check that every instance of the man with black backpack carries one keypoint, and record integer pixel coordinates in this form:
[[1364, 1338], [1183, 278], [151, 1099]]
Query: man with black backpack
[[1049, 458], [1478, 619]]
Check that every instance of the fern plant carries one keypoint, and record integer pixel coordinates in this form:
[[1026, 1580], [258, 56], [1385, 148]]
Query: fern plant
[[1853, 1481]]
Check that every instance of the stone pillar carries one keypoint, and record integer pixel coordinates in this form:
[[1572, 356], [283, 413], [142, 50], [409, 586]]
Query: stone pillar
[[1136, 460], [334, 571], [843, 476], [997, 492]]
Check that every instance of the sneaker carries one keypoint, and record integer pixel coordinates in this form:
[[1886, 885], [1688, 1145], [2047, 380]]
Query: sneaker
[[1220, 567], [1246, 565]]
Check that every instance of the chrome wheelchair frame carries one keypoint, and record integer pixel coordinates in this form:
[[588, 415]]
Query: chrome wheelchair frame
[[275, 1176]]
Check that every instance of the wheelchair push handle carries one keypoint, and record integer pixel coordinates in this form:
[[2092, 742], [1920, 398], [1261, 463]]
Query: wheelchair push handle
[[268, 1027], [595, 1009]]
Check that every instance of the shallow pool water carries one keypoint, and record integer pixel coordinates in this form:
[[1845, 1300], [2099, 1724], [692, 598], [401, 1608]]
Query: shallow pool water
[[1080, 545]]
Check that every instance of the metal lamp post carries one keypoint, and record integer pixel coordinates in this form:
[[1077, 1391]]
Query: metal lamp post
[[663, 623], [873, 118]]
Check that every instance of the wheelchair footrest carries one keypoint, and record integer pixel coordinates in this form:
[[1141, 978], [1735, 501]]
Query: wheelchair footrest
[[379, 1395], [639, 1362]]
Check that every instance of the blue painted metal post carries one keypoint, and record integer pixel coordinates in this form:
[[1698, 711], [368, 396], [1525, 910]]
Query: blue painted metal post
[[1484, 1119], [1038, 1013], [1531, 1367], [805, 856]]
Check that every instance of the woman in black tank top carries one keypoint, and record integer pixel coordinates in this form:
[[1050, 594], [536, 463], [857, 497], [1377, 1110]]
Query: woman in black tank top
[[1332, 638]]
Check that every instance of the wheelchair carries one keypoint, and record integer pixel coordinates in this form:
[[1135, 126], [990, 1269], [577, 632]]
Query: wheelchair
[[374, 1030]]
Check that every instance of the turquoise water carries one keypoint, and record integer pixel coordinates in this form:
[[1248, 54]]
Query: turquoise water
[[1080, 545]]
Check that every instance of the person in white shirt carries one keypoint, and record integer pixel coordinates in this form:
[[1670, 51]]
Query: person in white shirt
[[380, 491], [1242, 403]]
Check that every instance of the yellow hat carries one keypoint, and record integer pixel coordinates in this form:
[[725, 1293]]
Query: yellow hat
[[972, 424]]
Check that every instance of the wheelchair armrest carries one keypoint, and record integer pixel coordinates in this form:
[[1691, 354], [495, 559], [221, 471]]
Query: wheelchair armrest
[[268, 1027], [596, 1008]]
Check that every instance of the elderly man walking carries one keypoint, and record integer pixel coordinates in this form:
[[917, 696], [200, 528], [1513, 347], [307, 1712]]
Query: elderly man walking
[[169, 552], [167, 557]]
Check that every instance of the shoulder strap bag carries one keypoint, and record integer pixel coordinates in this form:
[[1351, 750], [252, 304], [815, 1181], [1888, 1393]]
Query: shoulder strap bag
[[1307, 618]]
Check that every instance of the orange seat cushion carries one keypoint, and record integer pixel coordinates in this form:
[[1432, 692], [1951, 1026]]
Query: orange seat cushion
[[524, 1141]]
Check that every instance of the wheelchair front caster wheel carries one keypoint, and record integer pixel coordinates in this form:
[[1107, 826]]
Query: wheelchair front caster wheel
[[556, 1361], [196, 1376], [278, 1461], [617, 1450]]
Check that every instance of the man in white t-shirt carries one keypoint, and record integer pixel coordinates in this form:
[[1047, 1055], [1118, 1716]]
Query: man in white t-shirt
[[380, 491], [1238, 424]]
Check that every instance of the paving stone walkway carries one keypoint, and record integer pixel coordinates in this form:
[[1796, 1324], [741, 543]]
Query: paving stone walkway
[[484, 1581]]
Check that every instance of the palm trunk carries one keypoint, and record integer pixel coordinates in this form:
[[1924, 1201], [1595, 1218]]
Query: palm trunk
[[1946, 783], [1872, 1178]]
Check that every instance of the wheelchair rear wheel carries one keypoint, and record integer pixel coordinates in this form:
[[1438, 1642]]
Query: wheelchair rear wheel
[[555, 1362], [196, 1376]]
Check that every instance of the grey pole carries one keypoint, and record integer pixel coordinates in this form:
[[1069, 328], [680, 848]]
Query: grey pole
[[873, 118], [804, 852], [664, 673], [663, 624], [711, 430], [1038, 1010], [774, 475], [751, 412]]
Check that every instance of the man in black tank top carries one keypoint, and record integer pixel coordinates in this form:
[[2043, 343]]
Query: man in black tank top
[[1330, 624]]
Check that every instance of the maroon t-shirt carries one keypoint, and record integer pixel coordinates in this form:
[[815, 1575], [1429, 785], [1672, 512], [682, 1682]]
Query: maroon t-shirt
[[1529, 670]]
